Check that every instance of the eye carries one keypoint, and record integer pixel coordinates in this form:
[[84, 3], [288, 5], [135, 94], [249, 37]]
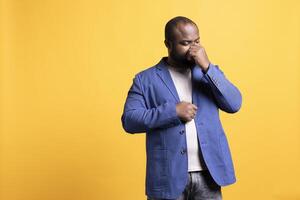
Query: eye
[[185, 43], [197, 41]]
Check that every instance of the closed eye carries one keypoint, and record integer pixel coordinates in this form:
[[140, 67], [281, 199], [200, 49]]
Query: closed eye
[[185, 43]]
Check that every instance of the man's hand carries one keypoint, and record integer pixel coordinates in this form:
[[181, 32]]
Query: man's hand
[[186, 111], [197, 52]]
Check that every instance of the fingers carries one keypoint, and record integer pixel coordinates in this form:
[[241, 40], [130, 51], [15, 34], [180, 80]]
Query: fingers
[[194, 106], [188, 112], [193, 110], [189, 104], [192, 51], [195, 47], [191, 116]]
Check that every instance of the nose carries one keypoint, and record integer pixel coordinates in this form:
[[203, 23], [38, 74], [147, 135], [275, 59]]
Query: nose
[[191, 44]]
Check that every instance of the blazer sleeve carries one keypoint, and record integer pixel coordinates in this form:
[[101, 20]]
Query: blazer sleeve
[[227, 95], [137, 118]]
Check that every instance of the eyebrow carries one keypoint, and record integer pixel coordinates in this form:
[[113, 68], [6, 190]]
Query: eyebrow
[[190, 40]]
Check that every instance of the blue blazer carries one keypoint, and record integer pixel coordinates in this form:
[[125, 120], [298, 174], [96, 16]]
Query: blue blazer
[[150, 108]]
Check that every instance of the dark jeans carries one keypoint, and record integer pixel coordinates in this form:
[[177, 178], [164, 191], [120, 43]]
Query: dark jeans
[[200, 186]]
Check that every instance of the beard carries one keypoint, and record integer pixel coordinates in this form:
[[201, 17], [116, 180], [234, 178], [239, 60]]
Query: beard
[[182, 60]]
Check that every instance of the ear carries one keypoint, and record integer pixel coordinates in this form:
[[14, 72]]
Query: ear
[[167, 43]]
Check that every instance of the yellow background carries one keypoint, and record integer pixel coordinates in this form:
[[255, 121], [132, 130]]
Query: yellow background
[[66, 67]]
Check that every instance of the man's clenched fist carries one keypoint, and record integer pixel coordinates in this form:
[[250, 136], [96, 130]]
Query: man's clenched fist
[[186, 111], [198, 54]]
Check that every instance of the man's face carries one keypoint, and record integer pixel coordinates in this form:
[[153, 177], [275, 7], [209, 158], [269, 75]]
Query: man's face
[[185, 35]]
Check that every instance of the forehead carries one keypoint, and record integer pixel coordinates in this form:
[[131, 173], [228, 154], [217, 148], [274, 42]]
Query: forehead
[[186, 31]]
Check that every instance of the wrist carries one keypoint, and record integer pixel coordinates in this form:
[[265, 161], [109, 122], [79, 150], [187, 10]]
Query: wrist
[[205, 69]]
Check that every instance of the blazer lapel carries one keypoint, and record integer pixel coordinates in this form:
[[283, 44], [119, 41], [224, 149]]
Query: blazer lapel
[[164, 74]]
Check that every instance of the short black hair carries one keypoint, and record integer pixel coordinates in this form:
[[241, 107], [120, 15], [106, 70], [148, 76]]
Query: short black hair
[[172, 23]]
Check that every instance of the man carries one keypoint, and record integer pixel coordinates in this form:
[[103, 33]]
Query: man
[[177, 102]]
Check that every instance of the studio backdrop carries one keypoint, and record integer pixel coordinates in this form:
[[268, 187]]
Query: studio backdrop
[[65, 70]]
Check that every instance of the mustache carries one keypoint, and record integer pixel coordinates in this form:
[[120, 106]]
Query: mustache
[[183, 60]]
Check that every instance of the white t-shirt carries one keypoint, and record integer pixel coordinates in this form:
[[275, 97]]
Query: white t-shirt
[[183, 84]]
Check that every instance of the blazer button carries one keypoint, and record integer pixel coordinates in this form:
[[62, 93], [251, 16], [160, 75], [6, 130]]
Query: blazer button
[[181, 132], [183, 151]]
